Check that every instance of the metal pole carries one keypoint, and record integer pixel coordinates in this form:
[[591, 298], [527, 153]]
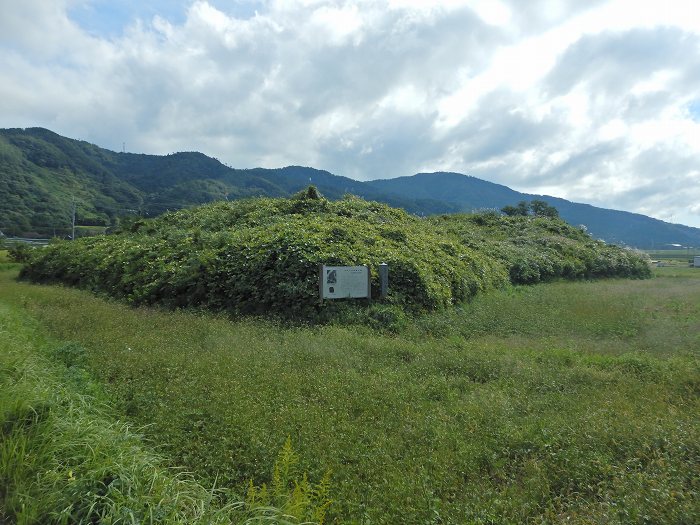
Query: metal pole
[[384, 279]]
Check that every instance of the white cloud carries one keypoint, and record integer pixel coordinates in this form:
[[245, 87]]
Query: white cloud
[[593, 101], [337, 25]]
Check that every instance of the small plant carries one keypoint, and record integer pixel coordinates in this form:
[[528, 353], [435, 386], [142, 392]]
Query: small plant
[[387, 318], [20, 252], [288, 494]]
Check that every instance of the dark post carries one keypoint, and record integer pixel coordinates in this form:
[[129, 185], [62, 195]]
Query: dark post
[[384, 279]]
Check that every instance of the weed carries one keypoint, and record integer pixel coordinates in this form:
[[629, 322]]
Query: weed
[[64, 458]]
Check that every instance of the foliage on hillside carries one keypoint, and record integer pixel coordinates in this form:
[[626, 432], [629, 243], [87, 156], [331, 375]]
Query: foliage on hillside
[[42, 173], [40, 180], [263, 255], [535, 249]]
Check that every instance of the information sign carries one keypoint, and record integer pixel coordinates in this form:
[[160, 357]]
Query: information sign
[[344, 282]]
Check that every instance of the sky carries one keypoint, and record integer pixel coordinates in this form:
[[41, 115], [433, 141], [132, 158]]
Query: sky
[[595, 101]]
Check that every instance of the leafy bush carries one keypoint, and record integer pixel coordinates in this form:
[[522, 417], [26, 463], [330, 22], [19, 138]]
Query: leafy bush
[[20, 252], [262, 256], [536, 249]]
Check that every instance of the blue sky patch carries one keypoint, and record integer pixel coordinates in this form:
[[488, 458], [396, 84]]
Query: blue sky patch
[[107, 18], [694, 110]]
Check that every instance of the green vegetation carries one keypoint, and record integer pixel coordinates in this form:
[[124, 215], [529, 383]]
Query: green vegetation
[[677, 257], [479, 400], [262, 256], [20, 252], [65, 458], [42, 176], [557, 403], [538, 208], [540, 248]]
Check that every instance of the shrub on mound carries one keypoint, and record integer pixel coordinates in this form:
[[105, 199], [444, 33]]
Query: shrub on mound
[[536, 249], [263, 256]]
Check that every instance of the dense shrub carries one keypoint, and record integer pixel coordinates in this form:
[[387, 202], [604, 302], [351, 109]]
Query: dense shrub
[[536, 249], [262, 256], [20, 252]]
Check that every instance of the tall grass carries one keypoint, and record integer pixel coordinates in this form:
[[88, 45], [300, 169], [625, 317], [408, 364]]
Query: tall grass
[[559, 403], [64, 458]]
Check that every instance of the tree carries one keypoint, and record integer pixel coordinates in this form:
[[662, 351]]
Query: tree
[[311, 192], [542, 209], [522, 209], [538, 208]]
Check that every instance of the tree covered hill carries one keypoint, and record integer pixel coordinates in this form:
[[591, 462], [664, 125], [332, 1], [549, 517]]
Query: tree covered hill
[[262, 256], [469, 193], [43, 175]]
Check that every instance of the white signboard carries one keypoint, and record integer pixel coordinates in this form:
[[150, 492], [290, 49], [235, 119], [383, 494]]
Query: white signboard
[[344, 282]]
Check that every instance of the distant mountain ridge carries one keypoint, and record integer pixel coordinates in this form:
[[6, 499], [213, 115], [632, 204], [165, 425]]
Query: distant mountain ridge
[[43, 174], [614, 226]]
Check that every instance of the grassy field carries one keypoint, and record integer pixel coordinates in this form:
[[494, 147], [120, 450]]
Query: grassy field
[[66, 457], [559, 403], [678, 257], [61, 451]]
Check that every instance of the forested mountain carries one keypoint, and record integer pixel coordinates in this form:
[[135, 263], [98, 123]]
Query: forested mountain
[[469, 193], [43, 175]]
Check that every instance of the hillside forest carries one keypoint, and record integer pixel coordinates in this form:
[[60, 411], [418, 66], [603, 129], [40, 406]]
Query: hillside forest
[[48, 181]]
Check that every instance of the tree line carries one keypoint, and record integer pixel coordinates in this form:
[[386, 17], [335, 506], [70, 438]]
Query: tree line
[[537, 208]]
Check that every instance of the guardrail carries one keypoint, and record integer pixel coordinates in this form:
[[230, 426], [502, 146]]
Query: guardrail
[[13, 241]]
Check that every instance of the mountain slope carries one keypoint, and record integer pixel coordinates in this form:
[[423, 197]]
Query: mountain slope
[[43, 174], [469, 193]]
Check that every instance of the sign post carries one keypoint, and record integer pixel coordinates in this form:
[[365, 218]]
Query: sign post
[[384, 280], [344, 282]]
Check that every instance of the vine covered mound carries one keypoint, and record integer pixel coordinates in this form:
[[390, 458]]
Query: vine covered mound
[[262, 255]]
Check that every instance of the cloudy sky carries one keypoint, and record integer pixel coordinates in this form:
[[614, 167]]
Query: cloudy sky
[[595, 101]]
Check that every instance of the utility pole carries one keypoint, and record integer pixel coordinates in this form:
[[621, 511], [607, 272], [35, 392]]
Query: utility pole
[[72, 222]]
